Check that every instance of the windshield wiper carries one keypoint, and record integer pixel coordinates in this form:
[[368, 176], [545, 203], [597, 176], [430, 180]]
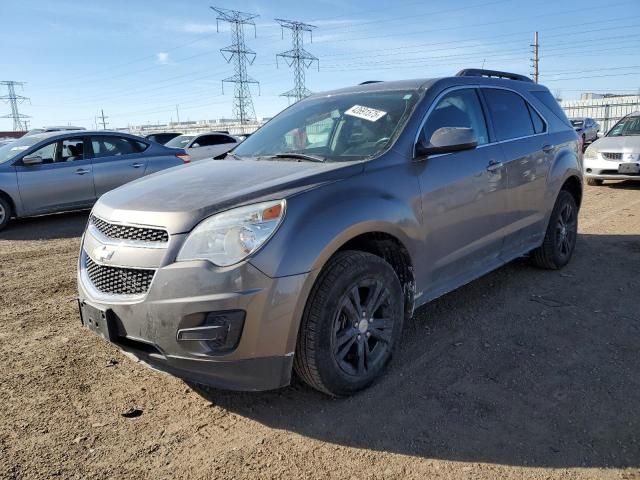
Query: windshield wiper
[[300, 156], [234, 155]]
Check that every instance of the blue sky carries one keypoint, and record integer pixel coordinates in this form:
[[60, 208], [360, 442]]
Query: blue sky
[[138, 59]]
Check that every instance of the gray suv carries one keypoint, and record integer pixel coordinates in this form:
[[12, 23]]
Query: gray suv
[[314, 241]]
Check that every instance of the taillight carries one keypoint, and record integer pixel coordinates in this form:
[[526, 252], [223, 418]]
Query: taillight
[[185, 157]]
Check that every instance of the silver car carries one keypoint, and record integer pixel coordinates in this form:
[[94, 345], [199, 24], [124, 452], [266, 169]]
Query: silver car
[[616, 156], [315, 241], [206, 145], [54, 172], [586, 128]]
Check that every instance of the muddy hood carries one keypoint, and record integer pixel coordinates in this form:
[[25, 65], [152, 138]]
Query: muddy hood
[[179, 198]]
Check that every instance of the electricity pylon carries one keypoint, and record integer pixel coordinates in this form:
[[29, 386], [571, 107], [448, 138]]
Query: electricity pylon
[[241, 56], [13, 100], [297, 57]]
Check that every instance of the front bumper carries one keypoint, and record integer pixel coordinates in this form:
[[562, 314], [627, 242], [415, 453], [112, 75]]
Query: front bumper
[[182, 295], [603, 169]]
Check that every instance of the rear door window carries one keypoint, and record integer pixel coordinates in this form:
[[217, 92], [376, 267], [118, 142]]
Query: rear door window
[[104, 146], [509, 114]]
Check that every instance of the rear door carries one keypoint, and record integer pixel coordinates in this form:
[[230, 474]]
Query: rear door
[[63, 181], [521, 132], [116, 161]]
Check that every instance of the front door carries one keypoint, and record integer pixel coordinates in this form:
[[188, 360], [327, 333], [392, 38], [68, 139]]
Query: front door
[[463, 198], [63, 181]]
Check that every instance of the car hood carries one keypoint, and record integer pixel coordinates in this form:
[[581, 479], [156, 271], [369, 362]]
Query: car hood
[[179, 198], [623, 144]]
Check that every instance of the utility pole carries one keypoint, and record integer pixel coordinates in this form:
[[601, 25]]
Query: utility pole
[[13, 100], [178, 114], [241, 56], [297, 57], [103, 119], [536, 58]]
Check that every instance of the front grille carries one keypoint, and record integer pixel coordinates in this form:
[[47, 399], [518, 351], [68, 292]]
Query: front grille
[[117, 280], [125, 232], [612, 155]]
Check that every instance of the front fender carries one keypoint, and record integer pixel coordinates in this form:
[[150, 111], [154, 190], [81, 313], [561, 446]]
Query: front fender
[[319, 221], [9, 186]]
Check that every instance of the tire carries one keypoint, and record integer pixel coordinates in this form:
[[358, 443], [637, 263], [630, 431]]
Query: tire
[[595, 182], [340, 350], [560, 238], [5, 213]]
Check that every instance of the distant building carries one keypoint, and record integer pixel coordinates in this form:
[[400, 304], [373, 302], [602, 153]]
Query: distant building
[[606, 109]]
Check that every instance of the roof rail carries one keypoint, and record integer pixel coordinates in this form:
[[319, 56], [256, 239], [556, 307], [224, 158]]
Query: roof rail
[[367, 82], [477, 72]]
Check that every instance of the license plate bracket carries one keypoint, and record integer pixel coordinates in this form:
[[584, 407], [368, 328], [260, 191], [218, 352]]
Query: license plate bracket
[[629, 168], [95, 319]]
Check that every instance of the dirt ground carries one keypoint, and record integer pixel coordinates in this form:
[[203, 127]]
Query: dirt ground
[[522, 374]]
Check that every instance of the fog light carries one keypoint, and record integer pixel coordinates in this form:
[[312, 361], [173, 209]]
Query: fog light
[[220, 331]]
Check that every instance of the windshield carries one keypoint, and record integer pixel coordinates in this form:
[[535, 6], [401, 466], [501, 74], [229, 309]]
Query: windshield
[[577, 123], [14, 149], [181, 141], [626, 126], [339, 127]]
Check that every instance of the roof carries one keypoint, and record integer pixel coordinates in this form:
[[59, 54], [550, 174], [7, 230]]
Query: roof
[[425, 83], [414, 84]]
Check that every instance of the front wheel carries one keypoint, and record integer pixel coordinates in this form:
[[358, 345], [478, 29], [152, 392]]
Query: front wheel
[[562, 233], [5, 213], [351, 324]]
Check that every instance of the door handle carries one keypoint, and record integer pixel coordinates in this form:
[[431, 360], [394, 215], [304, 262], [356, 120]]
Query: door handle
[[136, 165], [493, 166], [82, 171], [548, 148]]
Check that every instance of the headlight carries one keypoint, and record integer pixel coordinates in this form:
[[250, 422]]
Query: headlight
[[591, 154], [231, 236]]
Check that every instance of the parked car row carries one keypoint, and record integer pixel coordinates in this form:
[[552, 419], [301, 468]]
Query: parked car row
[[61, 171]]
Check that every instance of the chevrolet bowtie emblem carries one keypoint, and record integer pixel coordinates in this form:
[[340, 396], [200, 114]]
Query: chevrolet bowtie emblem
[[103, 253]]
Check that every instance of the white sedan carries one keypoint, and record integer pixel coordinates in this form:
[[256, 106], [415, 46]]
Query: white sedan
[[206, 145], [617, 155]]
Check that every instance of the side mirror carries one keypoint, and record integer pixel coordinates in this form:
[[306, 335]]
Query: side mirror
[[447, 140], [34, 160], [195, 145]]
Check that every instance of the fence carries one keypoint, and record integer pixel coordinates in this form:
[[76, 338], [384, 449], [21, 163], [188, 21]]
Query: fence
[[605, 111]]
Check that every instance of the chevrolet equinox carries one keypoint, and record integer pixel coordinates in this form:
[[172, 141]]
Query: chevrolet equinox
[[311, 243]]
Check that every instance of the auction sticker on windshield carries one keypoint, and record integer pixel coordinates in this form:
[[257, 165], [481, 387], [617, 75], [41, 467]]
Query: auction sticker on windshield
[[367, 113]]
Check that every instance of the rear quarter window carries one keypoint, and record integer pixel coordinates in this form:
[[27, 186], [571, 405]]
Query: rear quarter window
[[545, 97]]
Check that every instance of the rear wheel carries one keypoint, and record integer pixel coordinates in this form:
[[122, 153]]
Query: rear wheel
[[562, 233], [351, 324], [5, 213], [595, 182]]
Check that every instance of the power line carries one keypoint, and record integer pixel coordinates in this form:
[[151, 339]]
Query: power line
[[238, 53], [297, 57], [13, 100]]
